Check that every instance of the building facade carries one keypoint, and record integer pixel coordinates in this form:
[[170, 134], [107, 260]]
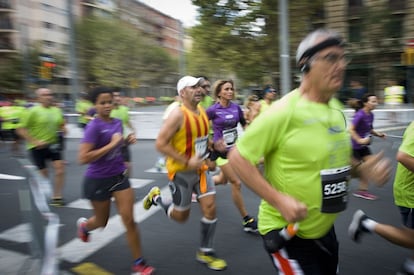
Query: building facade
[[8, 27], [45, 25], [377, 33], [163, 30]]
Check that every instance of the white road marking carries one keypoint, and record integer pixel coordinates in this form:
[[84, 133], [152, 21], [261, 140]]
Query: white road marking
[[139, 183], [12, 262], [10, 177], [80, 204], [155, 170], [85, 204], [21, 233], [76, 251]]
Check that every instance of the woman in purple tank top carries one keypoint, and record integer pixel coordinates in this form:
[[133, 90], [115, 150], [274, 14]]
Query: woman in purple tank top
[[225, 116], [361, 130], [107, 176]]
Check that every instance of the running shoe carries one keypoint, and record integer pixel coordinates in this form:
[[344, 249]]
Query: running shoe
[[142, 269], [58, 202], [356, 228], [149, 198], [250, 225], [210, 259], [83, 234], [365, 195]]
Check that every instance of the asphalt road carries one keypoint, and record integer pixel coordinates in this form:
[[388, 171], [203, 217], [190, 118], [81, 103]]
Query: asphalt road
[[169, 246]]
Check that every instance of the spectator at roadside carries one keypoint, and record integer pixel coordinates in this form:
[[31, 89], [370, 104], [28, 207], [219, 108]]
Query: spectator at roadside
[[358, 90], [393, 96], [394, 93]]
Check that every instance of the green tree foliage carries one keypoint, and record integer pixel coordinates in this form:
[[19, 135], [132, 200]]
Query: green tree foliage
[[241, 37], [14, 68], [11, 73], [111, 53], [227, 41]]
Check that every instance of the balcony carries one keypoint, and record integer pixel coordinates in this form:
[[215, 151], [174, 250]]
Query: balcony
[[6, 46], [355, 12], [6, 25], [397, 6], [5, 5], [108, 7], [318, 16]]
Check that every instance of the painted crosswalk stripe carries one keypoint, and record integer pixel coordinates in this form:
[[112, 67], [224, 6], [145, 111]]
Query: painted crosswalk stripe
[[70, 251], [80, 204], [11, 262], [156, 170], [20, 234], [139, 183], [10, 177], [76, 251], [85, 203]]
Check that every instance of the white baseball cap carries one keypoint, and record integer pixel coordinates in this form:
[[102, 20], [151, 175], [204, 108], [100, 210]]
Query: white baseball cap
[[186, 81]]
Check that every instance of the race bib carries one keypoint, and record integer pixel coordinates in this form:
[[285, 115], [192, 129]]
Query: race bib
[[230, 136], [201, 146], [334, 184]]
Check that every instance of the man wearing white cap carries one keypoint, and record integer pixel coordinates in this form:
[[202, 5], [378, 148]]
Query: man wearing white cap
[[183, 139]]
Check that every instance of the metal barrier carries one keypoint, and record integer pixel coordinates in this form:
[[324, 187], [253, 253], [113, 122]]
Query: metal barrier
[[148, 124], [44, 223], [387, 117]]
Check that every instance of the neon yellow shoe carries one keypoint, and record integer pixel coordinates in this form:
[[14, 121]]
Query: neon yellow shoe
[[210, 259], [149, 198]]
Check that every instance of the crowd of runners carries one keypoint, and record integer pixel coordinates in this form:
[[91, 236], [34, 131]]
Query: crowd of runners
[[297, 153]]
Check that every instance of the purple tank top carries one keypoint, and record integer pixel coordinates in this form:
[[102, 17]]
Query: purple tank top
[[99, 133], [225, 120]]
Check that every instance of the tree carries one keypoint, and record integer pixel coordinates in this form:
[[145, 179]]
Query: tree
[[224, 40], [11, 71], [240, 37], [111, 53]]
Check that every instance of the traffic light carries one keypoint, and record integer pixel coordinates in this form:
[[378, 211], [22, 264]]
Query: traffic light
[[407, 57], [46, 69], [49, 64]]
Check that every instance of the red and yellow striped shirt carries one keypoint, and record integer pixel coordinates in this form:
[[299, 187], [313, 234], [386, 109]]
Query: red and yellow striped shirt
[[194, 127]]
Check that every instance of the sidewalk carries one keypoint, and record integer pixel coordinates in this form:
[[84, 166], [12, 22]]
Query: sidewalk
[[149, 123]]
